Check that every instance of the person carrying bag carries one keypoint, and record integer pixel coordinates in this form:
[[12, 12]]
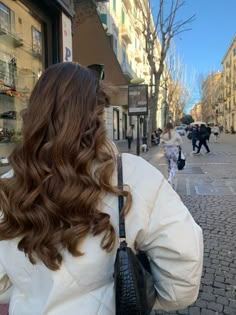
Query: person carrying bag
[[60, 250], [181, 159]]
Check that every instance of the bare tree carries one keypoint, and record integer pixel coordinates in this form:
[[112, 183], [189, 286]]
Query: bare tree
[[158, 36], [174, 83]]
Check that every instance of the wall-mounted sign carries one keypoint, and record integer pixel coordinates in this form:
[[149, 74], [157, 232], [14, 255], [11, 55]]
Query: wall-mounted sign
[[66, 38], [138, 99]]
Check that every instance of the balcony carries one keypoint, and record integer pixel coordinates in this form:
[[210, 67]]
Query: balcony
[[15, 39], [125, 34], [128, 71], [127, 4], [137, 55]]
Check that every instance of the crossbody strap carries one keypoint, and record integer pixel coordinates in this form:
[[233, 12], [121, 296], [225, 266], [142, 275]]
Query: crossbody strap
[[120, 198]]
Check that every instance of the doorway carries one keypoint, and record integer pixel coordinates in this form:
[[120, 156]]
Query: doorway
[[116, 124]]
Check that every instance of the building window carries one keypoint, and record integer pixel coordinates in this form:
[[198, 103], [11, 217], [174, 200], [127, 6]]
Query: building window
[[234, 52], [114, 5], [36, 42], [5, 17], [123, 16]]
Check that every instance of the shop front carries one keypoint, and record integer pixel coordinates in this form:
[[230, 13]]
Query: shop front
[[33, 35]]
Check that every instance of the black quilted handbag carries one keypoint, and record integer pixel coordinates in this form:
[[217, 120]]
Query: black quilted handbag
[[135, 293]]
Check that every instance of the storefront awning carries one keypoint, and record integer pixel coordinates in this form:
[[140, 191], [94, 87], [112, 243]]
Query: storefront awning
[[91, 44]]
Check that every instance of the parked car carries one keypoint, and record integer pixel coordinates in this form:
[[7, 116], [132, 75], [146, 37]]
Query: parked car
[[9, 115], [180, 130]]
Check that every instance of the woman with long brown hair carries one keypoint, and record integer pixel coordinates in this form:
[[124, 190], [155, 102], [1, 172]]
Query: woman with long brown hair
[[59, 223], [171, 141]]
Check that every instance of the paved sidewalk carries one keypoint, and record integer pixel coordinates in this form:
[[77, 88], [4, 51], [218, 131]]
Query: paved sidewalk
[[207, 186]]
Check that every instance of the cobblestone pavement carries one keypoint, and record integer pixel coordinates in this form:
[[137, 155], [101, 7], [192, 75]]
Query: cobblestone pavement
[[207, 186], [217, 217]]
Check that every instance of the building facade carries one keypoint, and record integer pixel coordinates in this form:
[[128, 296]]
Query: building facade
[[210, 97], [121, 21], [229, 86], [196, 111], [33, 35]]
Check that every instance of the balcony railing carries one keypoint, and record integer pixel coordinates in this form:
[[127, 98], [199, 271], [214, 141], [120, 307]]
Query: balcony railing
[[125, 34], [14, 38], [127, 70]]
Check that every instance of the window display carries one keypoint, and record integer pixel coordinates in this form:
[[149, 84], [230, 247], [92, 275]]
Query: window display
[[21, 64]]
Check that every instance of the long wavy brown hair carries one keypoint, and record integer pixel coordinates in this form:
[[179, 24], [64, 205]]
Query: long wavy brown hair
[[169, 126], [62, 169]]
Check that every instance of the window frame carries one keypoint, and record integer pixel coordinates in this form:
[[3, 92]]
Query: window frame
[[9, 15]]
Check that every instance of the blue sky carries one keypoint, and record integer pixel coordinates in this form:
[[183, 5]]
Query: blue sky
[[202, 48]]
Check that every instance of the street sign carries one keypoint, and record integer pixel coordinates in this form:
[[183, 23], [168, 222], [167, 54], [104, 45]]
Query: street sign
[[138, 99]]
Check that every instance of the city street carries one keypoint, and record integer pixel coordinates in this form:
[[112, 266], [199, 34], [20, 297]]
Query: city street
[[207, 186]]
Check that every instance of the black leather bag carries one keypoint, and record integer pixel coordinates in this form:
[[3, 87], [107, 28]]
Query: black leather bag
[[180, 162], [135, 293]]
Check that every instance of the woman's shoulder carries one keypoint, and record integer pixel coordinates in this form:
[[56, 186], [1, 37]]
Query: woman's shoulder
[[140, 174]]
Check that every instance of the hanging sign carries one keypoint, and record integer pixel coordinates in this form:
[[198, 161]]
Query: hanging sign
[[138, 99], [66, 38]]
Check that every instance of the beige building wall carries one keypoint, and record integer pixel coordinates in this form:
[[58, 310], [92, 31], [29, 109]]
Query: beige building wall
[[229, 86], [196, 111], [21, 61], [210, 96]]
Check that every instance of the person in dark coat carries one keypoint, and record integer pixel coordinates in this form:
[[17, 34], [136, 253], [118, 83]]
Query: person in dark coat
[[203, 136], [195, 137], [209, 132]]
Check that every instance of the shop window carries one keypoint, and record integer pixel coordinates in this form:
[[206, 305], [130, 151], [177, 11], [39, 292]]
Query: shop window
[[21, 64], [5, 18]]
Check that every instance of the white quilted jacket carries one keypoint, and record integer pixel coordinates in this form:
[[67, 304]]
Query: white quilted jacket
[[160, 225]]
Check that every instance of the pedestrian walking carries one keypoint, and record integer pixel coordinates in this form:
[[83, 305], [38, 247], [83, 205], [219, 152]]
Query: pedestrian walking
[[209, 132], [203, 136], [171, 141], [130, 137], [216, 132], [195, 137], [60, 216]]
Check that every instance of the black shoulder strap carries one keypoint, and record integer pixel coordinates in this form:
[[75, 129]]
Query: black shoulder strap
[[120, 198]]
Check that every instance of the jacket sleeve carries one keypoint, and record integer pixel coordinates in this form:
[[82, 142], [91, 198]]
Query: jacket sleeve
[[5, 286], [174, 244]]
